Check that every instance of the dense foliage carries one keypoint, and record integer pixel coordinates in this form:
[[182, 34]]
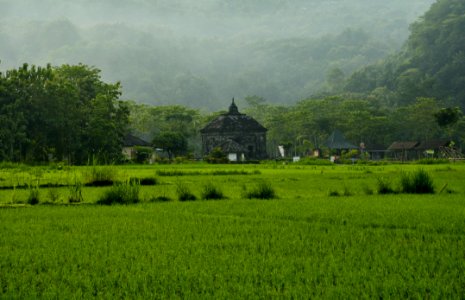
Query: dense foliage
[[63, 113], [431, 64]]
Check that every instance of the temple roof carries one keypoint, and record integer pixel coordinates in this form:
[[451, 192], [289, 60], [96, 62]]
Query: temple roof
[[233, 121]]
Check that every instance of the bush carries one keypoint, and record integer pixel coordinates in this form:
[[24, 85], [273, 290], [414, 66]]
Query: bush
[[210, 192], [418, 182], [217, 156], [263, 190], [184, 193], [121, 193], [384, 187], [143, 154]]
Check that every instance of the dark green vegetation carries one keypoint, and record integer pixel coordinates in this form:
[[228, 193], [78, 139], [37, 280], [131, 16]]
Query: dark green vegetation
[[432, 62], [64, 113], [122, 193], [197, 53], [304, 244]]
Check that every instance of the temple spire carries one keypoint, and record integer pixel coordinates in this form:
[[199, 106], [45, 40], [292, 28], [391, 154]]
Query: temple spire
[[233, 110]]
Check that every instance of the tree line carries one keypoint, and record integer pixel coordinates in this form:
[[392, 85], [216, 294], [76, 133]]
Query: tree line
[[68, 113], [63, 113]]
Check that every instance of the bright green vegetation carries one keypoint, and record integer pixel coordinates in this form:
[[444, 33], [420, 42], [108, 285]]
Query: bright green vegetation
[[303, 244]]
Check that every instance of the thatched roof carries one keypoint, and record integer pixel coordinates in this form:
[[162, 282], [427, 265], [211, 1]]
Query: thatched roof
[[132, 141], [337, 141], [233, 121], [403, 145]]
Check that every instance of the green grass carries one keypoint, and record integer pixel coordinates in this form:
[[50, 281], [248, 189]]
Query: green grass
[[305, 244], [394, 246]]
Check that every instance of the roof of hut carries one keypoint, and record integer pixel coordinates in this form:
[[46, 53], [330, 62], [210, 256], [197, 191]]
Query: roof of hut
[[432, 144], [403, 145]]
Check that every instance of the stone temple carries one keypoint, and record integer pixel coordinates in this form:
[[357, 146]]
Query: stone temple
[[241, 137]]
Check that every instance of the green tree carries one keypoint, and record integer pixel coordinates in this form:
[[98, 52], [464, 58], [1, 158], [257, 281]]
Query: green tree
[[174, 143]]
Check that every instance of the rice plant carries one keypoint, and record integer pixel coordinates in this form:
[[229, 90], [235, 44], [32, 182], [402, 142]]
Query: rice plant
[[121, 193], [262, 190], [384, 186], [184, 193], [211, 192], [418, 182], [33, 196]]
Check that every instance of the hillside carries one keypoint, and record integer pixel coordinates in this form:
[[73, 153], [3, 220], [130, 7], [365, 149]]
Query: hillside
[[203, 52], [431, 63]]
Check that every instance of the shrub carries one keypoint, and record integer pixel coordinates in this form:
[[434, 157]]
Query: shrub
[[143, 154], [418, 182], [217, 156], [384, 186], [263, 190], [210, 192], [121, 193], [184, 193]]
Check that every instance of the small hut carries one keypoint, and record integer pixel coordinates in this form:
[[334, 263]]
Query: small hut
[[403, 150], [131, 142], [432, 148]]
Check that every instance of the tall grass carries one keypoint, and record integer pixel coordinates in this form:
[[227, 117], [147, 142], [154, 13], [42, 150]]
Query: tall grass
[[385, 186], [263, 190], [33, 194], [211, 192], [184, 193], [101, 175], [418, 182], [121, 193]]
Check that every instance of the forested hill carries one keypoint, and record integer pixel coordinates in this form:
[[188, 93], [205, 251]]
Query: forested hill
[[431, 64], [199, 53]]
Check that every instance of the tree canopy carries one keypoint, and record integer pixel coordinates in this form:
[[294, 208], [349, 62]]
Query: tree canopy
[[60, 113]]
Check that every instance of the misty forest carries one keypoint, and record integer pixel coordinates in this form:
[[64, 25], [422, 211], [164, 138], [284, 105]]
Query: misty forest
[[78, 76]]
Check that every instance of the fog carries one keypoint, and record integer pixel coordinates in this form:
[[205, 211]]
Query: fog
[[202, 53]]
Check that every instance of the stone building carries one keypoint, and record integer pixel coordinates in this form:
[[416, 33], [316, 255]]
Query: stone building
[[239, 136]]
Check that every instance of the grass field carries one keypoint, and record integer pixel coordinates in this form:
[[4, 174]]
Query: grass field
[[303, 244]]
